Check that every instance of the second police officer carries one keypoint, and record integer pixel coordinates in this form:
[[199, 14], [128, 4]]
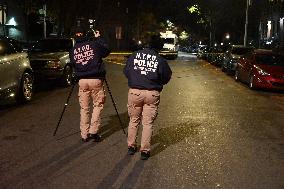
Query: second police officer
[[146, 72]]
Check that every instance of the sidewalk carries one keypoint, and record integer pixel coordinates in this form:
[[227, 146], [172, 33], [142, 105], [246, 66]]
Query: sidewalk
[[117, 57]]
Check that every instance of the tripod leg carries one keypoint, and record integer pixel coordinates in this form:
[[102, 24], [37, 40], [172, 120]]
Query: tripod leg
[[65, 105], [121, 124]]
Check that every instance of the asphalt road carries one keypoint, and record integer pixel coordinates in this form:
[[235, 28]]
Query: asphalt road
[[211, 132]]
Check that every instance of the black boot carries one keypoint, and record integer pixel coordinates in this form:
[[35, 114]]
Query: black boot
[[84, 140], [131, 150], [95, 137], [145, 155]]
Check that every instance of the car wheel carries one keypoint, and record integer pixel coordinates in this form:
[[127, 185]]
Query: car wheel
[[252, 82], [25, 91], [237, 75], [67, 76]]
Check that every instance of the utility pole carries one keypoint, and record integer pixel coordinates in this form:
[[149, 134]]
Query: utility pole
[[210, 33], [3, 11], [44, 20], [246, 23], [139, 19]]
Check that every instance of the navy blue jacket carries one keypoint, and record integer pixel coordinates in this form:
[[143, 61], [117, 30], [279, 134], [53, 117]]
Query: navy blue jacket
[[146, 69], [86, 56]]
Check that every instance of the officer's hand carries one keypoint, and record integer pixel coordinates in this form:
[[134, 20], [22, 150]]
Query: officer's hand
[[97, 33]]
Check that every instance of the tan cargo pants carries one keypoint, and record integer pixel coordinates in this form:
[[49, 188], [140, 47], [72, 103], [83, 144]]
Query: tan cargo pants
[[91, 93], [142, 105]]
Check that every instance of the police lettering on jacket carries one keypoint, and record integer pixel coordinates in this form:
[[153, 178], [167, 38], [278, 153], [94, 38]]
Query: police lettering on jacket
[[83, 54], [146, 69], [145, 63]]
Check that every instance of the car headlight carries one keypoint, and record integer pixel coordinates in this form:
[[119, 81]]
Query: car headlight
[[54, 64]]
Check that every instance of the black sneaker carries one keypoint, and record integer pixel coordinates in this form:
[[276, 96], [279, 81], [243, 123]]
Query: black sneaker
[[131, 150], [85, 140], [95, 137], [145, 155]]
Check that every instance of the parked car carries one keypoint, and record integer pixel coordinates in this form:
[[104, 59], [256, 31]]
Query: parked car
[[232, 56], [50, 59], [16, 75], [216, 56], [189, 48], [212, 54], [203, 52], [261, 69]]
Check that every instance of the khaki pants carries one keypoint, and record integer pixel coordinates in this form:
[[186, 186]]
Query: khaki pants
[[91, 94], [142, 105]]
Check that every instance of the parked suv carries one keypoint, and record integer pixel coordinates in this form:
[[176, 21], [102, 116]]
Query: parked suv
[[16, 75], [50, 59]]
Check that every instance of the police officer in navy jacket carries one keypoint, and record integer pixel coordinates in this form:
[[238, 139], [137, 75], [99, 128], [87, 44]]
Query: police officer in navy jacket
[[146, 72], [86, 57]]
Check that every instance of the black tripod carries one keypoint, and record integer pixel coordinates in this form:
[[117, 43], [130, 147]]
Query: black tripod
[[65, 105], [121, 124], [67, 101]]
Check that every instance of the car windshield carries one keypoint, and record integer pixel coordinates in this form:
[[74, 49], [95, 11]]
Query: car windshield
[[240, 51], [270, 59], [53, 45]]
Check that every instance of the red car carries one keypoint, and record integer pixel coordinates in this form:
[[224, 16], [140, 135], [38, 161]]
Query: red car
[[261, 69]]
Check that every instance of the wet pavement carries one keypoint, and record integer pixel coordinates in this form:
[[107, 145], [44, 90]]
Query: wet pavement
[[211, 132]]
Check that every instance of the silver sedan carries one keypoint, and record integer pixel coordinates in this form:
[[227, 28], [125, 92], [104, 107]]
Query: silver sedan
[[16, 75]]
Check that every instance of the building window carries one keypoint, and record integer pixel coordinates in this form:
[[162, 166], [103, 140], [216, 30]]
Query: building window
[[269, 27], [281, 23], [3, 14]]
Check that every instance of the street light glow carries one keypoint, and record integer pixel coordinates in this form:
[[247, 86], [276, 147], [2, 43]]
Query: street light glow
[[12, 22], [227, 36]]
